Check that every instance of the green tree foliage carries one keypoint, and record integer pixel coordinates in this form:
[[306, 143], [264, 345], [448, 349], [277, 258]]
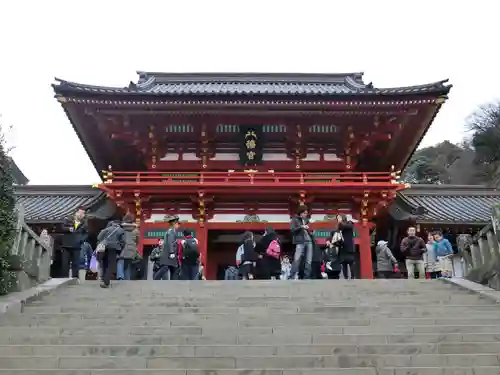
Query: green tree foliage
[[485, 140], [437, 165], [7, 218]]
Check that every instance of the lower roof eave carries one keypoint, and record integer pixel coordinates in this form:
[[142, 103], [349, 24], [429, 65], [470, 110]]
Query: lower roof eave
[[454, 223]]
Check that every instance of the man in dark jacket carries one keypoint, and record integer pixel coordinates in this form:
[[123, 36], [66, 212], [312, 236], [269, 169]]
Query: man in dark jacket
[[169, 259], [189, 256], [303, 241], [413, 248], [113, 239], [130, 252], [75, 234]]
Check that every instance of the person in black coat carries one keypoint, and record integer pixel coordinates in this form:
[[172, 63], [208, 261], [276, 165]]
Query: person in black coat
[[75, 234], [246, 256], [332, 259], [317, 261], [267, 266], [346, 247]]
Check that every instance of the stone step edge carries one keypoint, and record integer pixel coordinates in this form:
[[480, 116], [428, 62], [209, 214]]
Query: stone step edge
[[482, 290], [15, 302], [436, 370], [350, 345], [118, 357]]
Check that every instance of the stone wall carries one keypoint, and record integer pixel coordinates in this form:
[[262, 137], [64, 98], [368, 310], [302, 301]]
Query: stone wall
[[31, 257], [481, 255]]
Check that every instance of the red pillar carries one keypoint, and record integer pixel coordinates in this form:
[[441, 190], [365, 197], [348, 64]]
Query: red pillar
[[140, 245], [202, 236], [365, 252]]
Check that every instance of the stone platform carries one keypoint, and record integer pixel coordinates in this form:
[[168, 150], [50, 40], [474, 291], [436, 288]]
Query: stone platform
[[358, 327]]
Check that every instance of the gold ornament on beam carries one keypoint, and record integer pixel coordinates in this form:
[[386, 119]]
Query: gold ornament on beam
[[108, 175], [138, 208]]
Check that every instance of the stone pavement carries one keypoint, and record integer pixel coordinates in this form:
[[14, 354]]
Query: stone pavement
[[355, 327]]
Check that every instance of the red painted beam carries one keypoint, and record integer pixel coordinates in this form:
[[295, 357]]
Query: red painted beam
[[225, 165]]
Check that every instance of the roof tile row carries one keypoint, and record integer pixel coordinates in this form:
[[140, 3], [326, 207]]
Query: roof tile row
[[170, 84]]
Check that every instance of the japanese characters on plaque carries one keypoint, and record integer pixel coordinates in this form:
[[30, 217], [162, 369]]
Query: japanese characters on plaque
[[251, 153]]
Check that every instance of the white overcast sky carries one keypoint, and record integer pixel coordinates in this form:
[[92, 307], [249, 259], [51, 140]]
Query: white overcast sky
[[395, 43]]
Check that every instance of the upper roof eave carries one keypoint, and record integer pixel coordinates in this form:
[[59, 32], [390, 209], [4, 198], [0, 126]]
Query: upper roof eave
[[57, 190], [351, 85], [462, 190]]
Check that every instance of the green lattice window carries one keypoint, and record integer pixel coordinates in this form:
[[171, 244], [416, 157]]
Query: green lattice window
[[328, 177], [227, 128], [181, 128], [194, 176], [323, 129]]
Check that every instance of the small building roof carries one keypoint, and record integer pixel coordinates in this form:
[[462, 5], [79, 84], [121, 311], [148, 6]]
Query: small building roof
[[19, 177], [54, 204], [446, 204], [213, 84]]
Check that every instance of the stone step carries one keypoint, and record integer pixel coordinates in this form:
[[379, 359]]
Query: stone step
[[228, 307], [338, 311], [233, 333], [213, 325], [250, 362], [221, 329], [482, 370], [287, 328], [246, 350], [288, 338]]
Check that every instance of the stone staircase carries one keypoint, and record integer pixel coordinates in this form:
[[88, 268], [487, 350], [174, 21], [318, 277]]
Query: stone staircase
[[358, 327]]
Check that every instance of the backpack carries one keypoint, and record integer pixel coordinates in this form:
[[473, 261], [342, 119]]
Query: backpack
[[231, 273], [239, 255], [190, 249], [274, 249]]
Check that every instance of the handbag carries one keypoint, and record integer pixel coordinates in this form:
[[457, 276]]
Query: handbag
[[101, 246], [94, 264], [337, 238]]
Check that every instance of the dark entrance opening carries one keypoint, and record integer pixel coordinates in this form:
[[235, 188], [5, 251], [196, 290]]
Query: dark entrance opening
[[223, 244]]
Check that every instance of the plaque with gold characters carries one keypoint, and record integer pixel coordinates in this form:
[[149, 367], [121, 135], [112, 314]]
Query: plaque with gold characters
[[251, 151]]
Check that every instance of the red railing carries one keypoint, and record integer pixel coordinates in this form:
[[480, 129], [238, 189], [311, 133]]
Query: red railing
[[252, 178]]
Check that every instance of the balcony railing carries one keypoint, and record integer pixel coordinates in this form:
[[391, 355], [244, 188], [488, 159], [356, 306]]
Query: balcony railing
[[250, 178]]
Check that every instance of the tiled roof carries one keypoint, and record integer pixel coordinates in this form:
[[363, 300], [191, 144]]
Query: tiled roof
[[19, 177], [52, 204], [212, 84], [446, 204]]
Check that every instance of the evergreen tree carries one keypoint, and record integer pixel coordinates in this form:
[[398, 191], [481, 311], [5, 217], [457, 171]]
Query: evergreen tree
[[7, 218]]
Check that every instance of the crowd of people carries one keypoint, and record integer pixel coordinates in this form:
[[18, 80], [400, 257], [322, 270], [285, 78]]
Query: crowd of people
[[264, 259], [117, 251]]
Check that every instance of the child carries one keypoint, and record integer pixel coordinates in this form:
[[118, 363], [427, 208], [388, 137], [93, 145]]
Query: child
[[385, 261], [286, 268], [444, 252]]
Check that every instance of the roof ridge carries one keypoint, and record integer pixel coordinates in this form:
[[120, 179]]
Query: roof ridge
[[317, 78]]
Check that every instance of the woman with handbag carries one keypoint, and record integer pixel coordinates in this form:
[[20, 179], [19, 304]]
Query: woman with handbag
[[111, 241], [345, 243]]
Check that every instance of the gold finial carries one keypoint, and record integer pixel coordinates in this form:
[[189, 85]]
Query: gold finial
[[62, 99], [440, 100], [95, 186]]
